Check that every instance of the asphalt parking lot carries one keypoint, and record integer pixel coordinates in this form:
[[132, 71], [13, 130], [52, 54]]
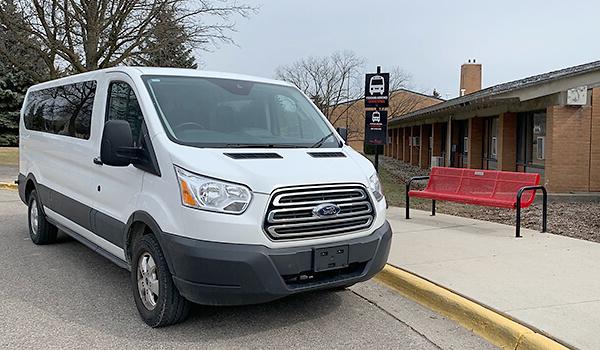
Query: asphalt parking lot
[[66, 296]]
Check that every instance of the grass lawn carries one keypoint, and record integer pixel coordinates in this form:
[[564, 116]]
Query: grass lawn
[[9, 156], [394, 189]]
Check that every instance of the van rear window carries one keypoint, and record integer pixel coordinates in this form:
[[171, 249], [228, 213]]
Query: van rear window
[[63, 110]]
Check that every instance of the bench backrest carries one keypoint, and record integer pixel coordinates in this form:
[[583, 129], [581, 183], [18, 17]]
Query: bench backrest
[[501, 185]]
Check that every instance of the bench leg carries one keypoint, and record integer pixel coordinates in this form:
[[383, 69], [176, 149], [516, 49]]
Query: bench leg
[[544, 211], [433, 207], [518, 220], [407, 201]]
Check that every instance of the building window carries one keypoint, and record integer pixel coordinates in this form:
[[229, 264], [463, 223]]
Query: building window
[[531, 135], [490, 144], [494, 147], [540, 148]]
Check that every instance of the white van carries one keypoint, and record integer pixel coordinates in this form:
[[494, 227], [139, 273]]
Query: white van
[[210, 188]]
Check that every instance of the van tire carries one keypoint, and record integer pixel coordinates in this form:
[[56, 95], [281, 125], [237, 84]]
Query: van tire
[[169, 306], [40, 230]]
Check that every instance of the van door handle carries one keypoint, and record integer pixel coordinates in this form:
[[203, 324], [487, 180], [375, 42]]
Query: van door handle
[[98, 161]]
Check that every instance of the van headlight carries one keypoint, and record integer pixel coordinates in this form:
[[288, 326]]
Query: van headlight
[[375, 186], [210, 194]]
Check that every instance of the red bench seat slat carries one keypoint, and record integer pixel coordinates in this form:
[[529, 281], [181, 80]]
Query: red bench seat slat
[[480, 187]]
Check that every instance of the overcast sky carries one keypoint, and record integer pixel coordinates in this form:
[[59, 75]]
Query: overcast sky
[[428, 39]]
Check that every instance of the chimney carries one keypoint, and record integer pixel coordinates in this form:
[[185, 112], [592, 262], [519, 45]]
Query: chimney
[[470, 77]]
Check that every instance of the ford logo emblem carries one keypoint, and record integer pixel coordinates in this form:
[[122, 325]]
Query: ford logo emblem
[[325, 210]]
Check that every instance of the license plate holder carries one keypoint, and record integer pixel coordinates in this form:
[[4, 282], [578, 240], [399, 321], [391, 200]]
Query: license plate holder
[[330, 258]]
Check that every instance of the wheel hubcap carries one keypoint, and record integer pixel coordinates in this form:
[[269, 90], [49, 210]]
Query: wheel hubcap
[[147, 281], [33, 217]]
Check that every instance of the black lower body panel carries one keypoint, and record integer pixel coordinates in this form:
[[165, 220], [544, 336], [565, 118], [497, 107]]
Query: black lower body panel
[[234, 274]]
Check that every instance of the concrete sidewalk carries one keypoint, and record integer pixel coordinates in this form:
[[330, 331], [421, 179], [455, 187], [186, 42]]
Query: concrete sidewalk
[[8, 173], [549, 282]]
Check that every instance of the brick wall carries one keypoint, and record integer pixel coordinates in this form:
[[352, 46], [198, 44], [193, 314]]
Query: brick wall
[[395, 143], [595, 146], [568, 152], [470, 78], [414, 150], [399, 144], [437, 140], [406, 157], [387, 148], [424, 159], [475, 143], [507, 142]]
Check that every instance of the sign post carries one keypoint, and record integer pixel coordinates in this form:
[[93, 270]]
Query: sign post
[[377, 86]]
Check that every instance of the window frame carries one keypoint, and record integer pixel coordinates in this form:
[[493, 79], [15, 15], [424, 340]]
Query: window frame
[[108, 99], [525, 140], [54, 89]]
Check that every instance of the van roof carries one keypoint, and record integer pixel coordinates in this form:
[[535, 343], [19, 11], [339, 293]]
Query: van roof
[[133, 71]]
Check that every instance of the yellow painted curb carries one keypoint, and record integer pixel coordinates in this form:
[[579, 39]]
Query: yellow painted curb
[[8, 186], [496, 328]]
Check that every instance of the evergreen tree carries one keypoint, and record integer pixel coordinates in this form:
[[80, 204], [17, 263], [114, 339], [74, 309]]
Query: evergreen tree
[[167, 46], [13, 85], [14, 82]]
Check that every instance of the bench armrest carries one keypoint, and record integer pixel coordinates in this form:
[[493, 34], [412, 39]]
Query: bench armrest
[[412, 179], [407, 201]]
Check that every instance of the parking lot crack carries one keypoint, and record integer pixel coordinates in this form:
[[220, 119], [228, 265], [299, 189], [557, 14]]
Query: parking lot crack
[[394, 317]]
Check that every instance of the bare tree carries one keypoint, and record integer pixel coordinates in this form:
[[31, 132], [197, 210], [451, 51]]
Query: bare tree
[[83, 35], [329, 81], [402, 99], [336, 85]]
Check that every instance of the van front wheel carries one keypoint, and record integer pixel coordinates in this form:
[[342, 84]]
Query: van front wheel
[[40, 230], [157, 299]]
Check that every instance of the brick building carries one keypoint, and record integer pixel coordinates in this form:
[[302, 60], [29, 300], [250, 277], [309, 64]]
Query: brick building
[[548, 123], [351, 114]]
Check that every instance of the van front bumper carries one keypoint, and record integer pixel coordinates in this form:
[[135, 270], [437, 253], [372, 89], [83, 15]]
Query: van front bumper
[[213, 273]]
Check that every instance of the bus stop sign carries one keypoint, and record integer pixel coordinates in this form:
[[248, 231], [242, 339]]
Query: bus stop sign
[[376, 127], [377, 89]]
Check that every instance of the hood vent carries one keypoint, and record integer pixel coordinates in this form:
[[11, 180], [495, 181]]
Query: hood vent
[[253, 155], [327, 154]]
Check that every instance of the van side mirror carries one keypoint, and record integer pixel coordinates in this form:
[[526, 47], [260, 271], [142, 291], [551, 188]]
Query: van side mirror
[[117, 148], [343, 132]]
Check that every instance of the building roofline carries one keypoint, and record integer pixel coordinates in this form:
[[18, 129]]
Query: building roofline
[[501, 89], [393, 91]]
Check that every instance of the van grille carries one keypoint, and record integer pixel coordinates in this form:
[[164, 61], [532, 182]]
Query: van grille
[[290, 214]]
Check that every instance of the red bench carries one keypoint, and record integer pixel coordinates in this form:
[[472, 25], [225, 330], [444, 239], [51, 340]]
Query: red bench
[[492, 188]]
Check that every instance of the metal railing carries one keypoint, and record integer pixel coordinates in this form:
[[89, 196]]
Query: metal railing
[[544, 207]]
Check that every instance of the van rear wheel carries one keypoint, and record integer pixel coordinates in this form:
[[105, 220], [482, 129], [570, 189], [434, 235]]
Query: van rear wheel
[[40, 230], [157, 299]]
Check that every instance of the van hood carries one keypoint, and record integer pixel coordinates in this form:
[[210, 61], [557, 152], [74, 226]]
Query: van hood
[[284, 167]]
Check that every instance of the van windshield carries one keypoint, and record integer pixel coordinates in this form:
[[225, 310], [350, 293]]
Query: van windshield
[[214, 112]]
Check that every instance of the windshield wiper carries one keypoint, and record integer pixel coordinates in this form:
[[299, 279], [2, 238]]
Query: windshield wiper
[[321, 141], [260, 145]]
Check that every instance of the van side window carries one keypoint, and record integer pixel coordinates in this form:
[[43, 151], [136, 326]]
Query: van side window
[[123, 105], [64, 110]]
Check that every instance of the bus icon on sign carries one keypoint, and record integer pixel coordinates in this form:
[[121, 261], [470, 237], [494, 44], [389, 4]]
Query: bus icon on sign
[[377, 85], [376, 117]]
